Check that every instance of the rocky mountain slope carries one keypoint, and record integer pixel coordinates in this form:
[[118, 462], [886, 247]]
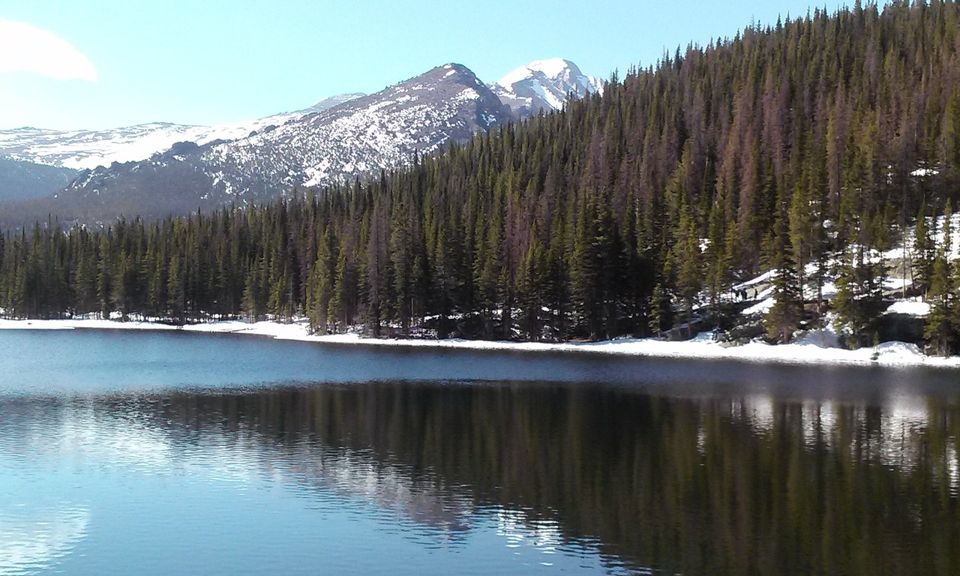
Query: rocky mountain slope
[[353, 138], [155, 170], [89, 149], [421, 115], [25, 180]]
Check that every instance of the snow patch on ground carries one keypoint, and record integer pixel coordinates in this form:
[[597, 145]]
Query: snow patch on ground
[[815, 348], [761, 307], [911, 307], [766, 277], [822, 338], [896, 351]]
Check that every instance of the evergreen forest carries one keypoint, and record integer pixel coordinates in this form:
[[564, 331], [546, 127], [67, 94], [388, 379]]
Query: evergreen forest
[[809, 149]]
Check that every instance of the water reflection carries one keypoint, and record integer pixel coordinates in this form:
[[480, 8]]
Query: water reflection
[[34, 539], [634, 479]]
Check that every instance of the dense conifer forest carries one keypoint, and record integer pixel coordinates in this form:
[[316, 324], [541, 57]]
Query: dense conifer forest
[[807, 148]]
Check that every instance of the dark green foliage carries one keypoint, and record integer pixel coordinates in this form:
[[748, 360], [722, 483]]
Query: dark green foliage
[[787, 311], [780, 148], [942, 330], [923, 253], [859, 298]]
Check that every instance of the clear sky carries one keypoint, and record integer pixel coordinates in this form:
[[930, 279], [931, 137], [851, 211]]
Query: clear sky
[[105, 63]]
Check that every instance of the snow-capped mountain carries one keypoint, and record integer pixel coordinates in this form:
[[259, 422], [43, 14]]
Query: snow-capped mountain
[[354, 138], [88, 149], [160, 169], [421, 115], [544, 85]]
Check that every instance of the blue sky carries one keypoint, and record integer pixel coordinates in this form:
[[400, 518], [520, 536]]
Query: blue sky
[[116, 62]]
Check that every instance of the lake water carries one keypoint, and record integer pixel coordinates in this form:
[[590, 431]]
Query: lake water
[[159, 453]]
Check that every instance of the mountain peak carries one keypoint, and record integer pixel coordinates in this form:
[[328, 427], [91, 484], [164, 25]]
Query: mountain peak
[[333, 101], [160, 169], [450, 72], [552, 68], [341, 139], [544, 85]]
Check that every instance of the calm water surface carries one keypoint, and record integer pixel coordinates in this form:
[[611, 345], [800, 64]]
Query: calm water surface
[[158, 453]]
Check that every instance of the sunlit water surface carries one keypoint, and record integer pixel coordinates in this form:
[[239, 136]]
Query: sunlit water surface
[[161, 453]]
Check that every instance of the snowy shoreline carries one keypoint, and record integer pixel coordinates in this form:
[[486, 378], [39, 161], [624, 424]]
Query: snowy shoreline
[[889, 354]]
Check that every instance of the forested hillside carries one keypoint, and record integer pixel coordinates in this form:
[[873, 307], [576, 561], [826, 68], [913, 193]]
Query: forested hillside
[[807, 148]]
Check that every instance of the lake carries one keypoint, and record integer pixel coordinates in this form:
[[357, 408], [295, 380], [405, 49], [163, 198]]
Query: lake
[[168, 453]]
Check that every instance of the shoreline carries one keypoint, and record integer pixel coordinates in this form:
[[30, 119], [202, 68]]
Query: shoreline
[[888, 354]]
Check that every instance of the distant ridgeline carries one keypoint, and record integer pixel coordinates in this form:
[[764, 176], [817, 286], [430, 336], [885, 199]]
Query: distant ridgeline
[[808, 149]]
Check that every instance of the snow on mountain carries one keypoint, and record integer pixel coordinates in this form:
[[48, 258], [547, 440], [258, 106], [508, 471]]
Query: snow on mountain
[[544, 85], [88, 149], [540, 85], [420, 115], [350, 139], [85, 149], [159, 169], [328, 103]]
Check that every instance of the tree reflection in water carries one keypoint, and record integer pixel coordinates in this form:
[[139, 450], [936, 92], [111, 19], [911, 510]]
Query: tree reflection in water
[[738, 485]]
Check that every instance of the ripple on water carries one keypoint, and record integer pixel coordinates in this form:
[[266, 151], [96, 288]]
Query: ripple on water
[[439, 478], [35, 538]]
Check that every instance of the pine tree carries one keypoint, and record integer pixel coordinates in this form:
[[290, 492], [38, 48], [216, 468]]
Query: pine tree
[[529, 290], [660, 310], [321, 283], [941, 330], [344, 291], [951, 133], [587, 270], [687, 255], [851, 319], [177, 290], [104, 280], [801, 226], [923, 253], [785, 315]]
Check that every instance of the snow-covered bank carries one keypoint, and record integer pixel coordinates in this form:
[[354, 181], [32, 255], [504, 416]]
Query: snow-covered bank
[[810, 350]]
